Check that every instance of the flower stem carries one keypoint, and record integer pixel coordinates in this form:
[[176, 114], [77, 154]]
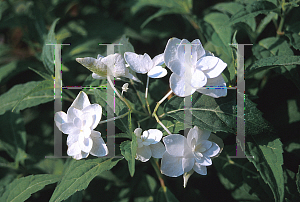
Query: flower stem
[[155, 165], [112, 119], [146, 95]]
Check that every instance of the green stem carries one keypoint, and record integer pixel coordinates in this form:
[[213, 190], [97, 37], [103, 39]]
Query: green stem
[[146, 95], [155, 165], [279, 31], [137, 93], [112, 119]]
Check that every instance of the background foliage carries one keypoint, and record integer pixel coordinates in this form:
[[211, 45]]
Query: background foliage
[[272, 102]]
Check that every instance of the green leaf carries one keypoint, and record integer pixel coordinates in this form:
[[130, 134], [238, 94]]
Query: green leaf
[[77, 197], [45, 85], [165, 195], [268, 160], [21, 189], [78, 176], [223, 31], [126, 47], [218, 114], [120, 108], [171, 124], [13, 136], [3, 7], [44, 75], [128, 150], [48, 50], [9, 99], [7, 69], [271, 62], [252, 10]]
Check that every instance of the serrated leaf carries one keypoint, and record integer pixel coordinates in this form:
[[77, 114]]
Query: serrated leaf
[[48, 50], [252, 10], [78, 176], [219, 22], [13, 136], [128, 150], [165, 195], [10, 98], [21, 189], [268, 160], [218, 114], [272, 62]]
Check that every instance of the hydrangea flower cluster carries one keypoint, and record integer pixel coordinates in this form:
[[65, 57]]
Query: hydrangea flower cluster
[[180, 155]]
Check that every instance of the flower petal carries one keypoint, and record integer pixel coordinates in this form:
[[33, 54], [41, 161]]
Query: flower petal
[[157, 72], [179, 86], [176, 145], [218, 91], [73, 149], [157, 150], [212, 151], [199, 79], [139, 63], [204, 161], [158, 60], [138, 132], [60, 118], [69, 128], [211, 66], [198, 48], [202, 170], [81, 101], [96, 111], [154, 135], [85, 144], [171, 165], [130, 76], [177, 67], [71, 139], [96, 76], [170, 52], [99, 147], [143, 153], [181, 51], [72, 113], [77, 123], [187, 164], [192, 137], [81, 155]]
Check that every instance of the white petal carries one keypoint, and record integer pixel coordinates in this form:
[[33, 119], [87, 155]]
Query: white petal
[[81, 155], [192, 137], [81, 101], [99, 147], [73, 149], [186, 177], [176, 145], [182, 50], [202, 170], [203, 134], [72, 113], [96, 76], [157, 150], [158, 60], [177, 67], [199, 79], [85, 144], [138, 132], [171, 165], [187, 164], [211, 66], [218, 91], [69, 128], [198, 49], [139, 63], [179, 86], [143, 153], [77, 123], [96, 111], [157, 72], [154, 135], [204, 161], [170, 52], [130, 76], [60, 118], [116, 65], [212, 151], [71, 139]]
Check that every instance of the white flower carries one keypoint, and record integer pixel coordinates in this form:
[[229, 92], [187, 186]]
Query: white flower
[[143, 64], [205, 69], [114, 64], [184, 154], [81, 118], [125, 88], [149, 144]]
